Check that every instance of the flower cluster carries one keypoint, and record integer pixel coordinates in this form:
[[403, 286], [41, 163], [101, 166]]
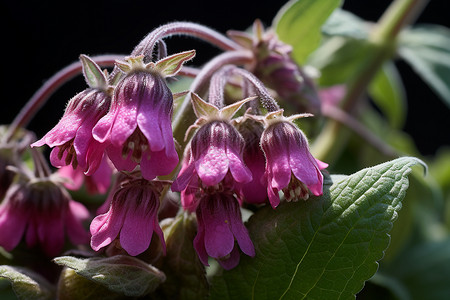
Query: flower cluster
[[241, 151]]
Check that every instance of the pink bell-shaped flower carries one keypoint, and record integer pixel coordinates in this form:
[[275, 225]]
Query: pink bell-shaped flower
[[220, 230], [290, 167], [39, 209], [216, 149], [131, 219], [255, 191], [72, 138], [137, 128]]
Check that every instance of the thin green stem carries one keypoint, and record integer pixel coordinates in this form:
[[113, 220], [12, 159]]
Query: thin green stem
[[382, 43]]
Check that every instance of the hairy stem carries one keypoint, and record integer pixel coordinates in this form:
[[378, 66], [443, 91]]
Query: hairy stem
[[182, 118], [147, 45], [41, 96]]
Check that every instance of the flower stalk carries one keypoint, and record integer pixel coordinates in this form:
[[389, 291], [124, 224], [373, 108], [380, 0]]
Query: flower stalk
[[41, 96], [399, 14]]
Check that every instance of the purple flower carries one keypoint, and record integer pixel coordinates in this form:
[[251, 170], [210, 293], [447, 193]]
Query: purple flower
[[216, 150], [72, 136], [290, 166], [138, 125], [43, 212], [132, 218], [255, 191], [220, 227]]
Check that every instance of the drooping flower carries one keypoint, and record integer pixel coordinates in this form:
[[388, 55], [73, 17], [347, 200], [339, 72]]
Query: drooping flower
[[72, 138], [290, 167], [255, 191], [215, 150], [274, 66], [138, 127], [220, 230], [39, 209], [131, 219]]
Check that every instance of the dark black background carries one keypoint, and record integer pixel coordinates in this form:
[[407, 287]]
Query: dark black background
[[41, 37]]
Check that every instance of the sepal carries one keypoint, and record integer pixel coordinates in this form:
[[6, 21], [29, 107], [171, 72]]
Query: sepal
[[171, 65], [93, 75]]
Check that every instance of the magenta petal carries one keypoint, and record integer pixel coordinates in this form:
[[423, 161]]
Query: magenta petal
[[31, 235], [105, 228], [63, 132], [137, 230], [232, 261], [12, 226], [304, 167], [189, 199], [278, 163], [149, 124], [125, 122], [238, 169], [219, 240], [102, 129], [121, 163], [54, 159], [272, 192], [240, 232], [74, 178], [51, 233], [74, 227], [183, 179], [212, 166], [322, 165], [158, 164], [199, 243], [78, 210]]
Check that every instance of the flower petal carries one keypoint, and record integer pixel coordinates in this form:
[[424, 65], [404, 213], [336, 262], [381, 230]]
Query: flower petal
[[232, 261], [137, 229], [219, 240], [106, 227], [238, 169], [12, 226], [212, 166]]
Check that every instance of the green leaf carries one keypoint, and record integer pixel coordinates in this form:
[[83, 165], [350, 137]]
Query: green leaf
[[186, 275], [340, 58], [26, 284], [121, 274], [427, 49], [388, 93], [344, 23], [323, 248], [299, 23]]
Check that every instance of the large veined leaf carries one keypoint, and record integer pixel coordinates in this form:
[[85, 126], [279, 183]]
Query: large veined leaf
[[322, 248], [299, 23], [427, 49]]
